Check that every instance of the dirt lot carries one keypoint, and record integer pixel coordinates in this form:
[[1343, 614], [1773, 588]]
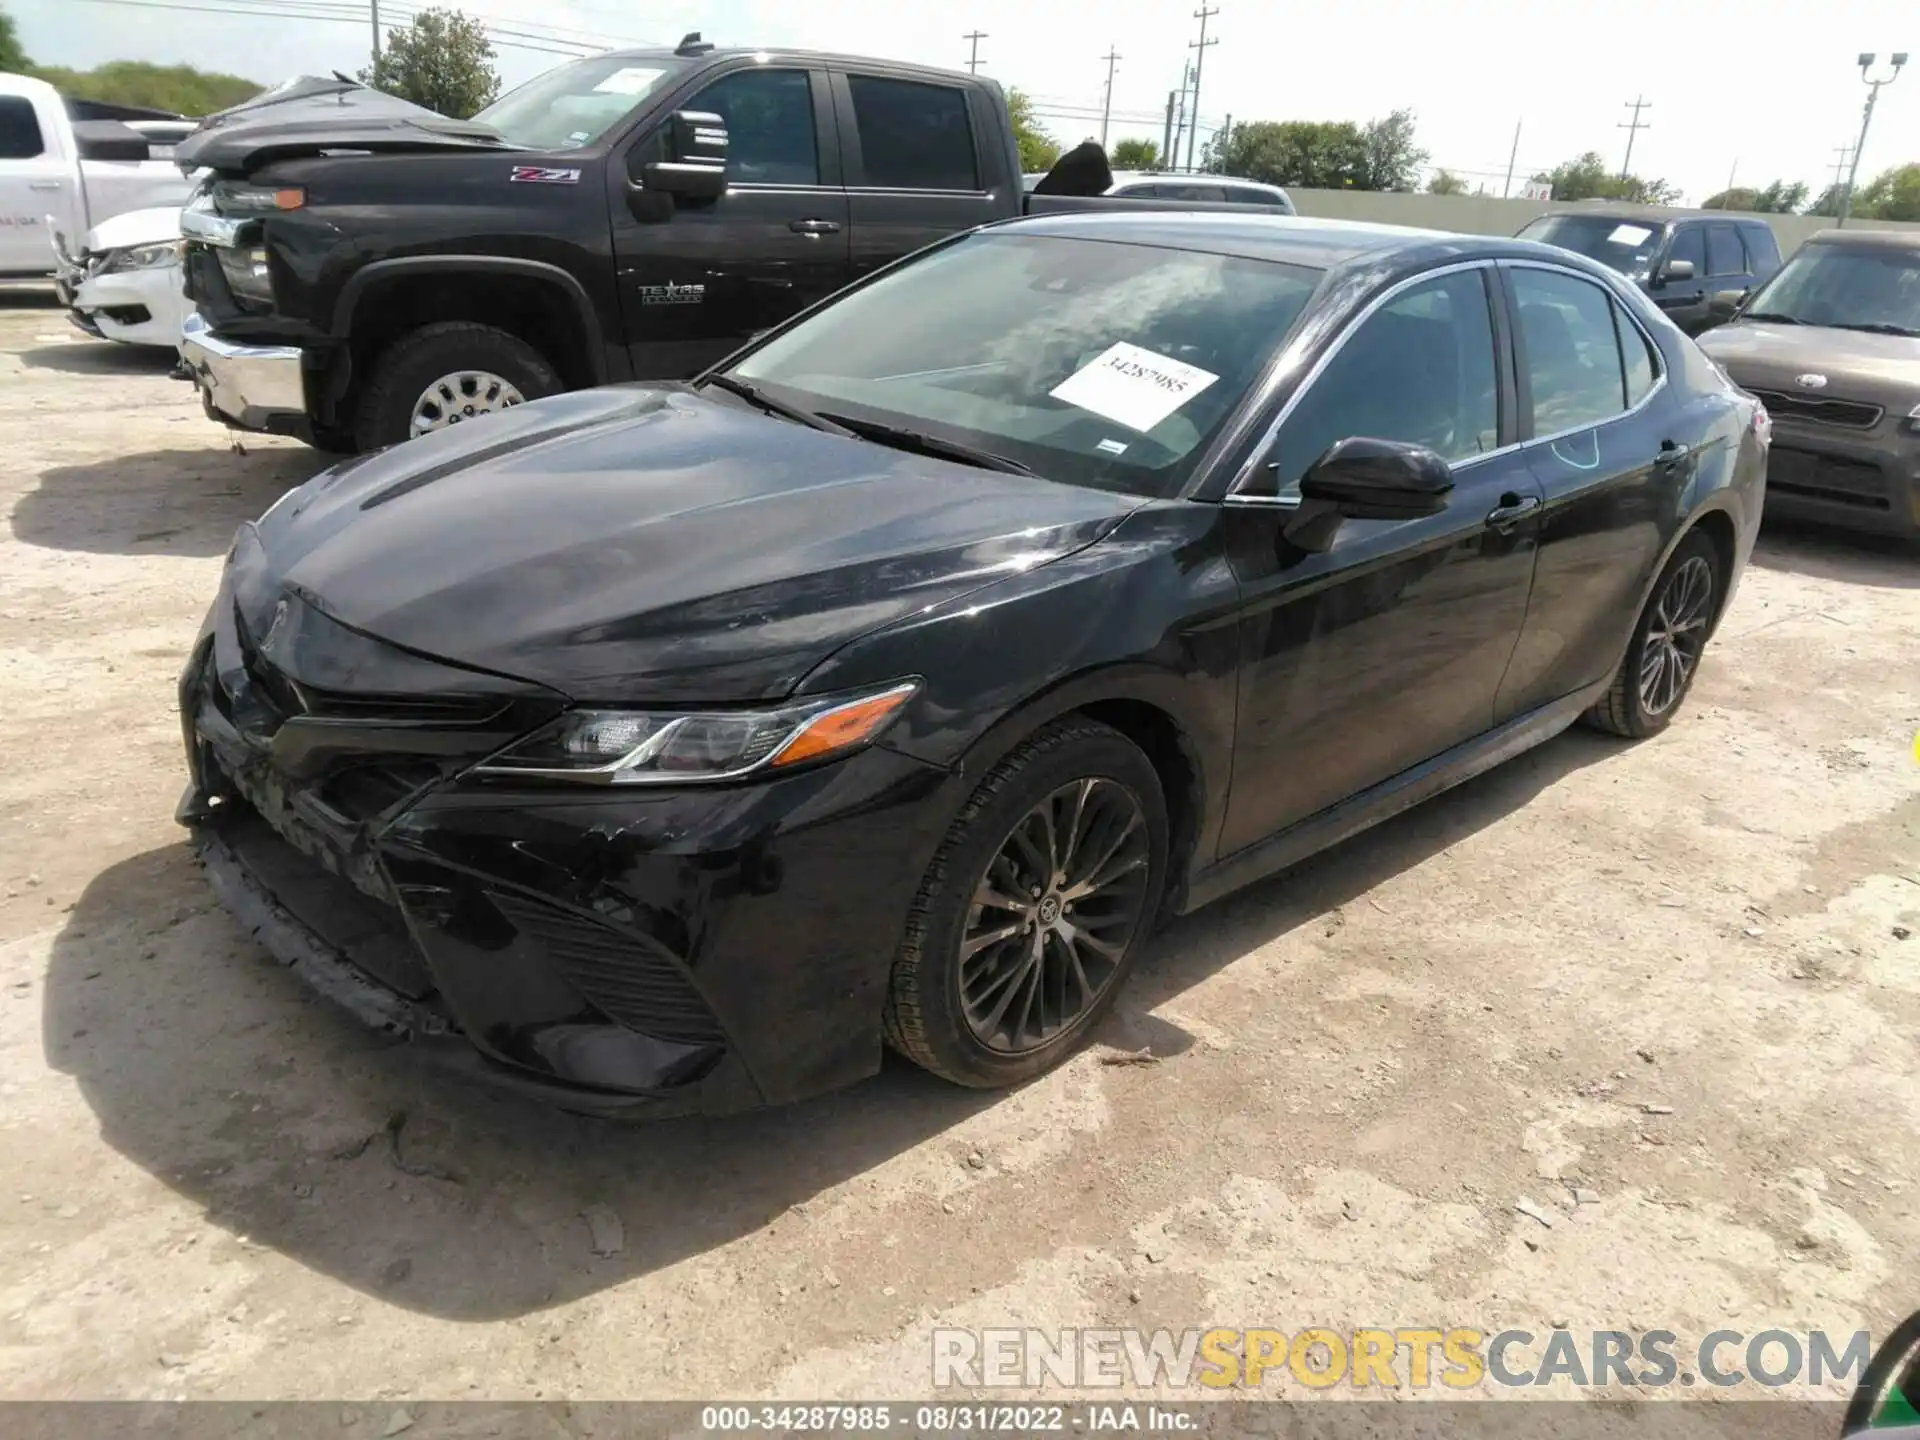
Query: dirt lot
[[1367, 1063]]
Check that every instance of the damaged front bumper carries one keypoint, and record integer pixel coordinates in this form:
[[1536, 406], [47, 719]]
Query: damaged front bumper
[[624, 952]]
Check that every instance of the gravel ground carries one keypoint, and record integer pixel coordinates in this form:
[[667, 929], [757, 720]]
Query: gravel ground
[[1670, 974]]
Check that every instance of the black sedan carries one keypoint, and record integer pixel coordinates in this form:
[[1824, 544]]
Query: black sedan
[[669, 748]]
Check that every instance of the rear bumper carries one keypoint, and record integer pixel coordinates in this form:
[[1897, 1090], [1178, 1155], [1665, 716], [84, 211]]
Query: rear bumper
[[696, 951], [254, 387]]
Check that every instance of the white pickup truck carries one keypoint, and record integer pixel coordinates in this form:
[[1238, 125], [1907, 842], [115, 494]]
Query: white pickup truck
[[59, 176]]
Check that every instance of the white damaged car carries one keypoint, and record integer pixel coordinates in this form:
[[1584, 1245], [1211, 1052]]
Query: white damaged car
[[126, 283]]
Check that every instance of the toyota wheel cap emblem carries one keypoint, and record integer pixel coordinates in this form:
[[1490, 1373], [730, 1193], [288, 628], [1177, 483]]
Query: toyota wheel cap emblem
[[1811, 382]]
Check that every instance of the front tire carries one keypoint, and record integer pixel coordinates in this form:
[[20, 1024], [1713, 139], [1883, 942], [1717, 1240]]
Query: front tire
[[446, 374], [1033, 911], [1664, 655]]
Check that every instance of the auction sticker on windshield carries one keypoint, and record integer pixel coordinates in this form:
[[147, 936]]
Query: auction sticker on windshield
[[1628, 234], [632, 80], [1133, 387]]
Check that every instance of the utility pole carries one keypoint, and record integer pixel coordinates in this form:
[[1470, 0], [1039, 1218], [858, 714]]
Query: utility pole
[[1166, 140], [1726, 198], [1180, 118], [1633, 131], [1513, 157], [1112, 57], [1873, 94], [1199, 47], [973, 59], [376, 32]]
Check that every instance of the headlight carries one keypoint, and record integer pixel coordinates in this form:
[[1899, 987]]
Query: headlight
[[232, 198], [247, 274], [645, 747], [140, 257]]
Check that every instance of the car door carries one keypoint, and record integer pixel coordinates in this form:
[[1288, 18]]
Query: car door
[[914, 163], [1386, 648], [1683, 300], [699, 278], [1602, 438], [32, 178]]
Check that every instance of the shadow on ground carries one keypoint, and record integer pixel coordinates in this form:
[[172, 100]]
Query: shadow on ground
[[1826, 553], [161, 502], [103, 357], [213, 1069], [29, 295]]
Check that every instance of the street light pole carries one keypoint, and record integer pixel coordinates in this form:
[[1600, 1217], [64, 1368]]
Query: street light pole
[[1873, 94]]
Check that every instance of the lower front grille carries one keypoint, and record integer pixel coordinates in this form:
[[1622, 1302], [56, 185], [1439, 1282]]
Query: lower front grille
[[1832, 478], [627, 981]]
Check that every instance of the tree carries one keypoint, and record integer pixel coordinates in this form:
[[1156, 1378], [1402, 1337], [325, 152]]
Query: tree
[[1038, 149], [1445, 182], [12, 57], [1779, 198], [443, 60], [1311, 154], [179, 88], [1136, 155], [1391, 158], [1587, 177], [1893, 195]]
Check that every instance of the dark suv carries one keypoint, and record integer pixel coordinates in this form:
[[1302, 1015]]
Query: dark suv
[[1697, 268]]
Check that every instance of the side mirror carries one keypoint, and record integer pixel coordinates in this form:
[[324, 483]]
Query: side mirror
[[1676, 270], [697, 143], [1366, 479]]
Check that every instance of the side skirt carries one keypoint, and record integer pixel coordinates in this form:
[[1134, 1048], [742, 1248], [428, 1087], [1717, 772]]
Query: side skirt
[[1388, 798]]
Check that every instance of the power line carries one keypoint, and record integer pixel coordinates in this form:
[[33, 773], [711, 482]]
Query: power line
[[1633, 130], [317, 10]]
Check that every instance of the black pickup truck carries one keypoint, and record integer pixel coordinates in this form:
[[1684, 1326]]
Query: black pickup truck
[[365, 271]]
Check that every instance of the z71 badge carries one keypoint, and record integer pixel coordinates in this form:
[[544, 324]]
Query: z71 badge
[[543, 175]]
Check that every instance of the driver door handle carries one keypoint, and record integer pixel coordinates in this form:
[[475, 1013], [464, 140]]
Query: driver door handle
[[1511, 511], [814, 227], [43, 184]]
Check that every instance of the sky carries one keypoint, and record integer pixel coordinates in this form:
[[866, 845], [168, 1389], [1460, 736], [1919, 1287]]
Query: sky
[[1758, 90]]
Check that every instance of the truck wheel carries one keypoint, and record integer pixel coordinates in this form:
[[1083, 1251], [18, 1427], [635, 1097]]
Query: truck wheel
[[441, 375]]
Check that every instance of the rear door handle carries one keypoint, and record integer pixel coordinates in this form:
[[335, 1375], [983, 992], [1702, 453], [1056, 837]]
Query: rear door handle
[[814, 227], [43, 184], [1672, 452], [1511, 510]]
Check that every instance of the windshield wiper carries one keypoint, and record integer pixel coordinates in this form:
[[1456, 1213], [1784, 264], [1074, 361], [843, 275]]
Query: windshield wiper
[[1879, 327], [1773, 315], [902, 438], [754, 395]]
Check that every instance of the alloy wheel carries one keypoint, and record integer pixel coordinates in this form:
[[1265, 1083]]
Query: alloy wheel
[[462, 396], [1676, 634], [1053, 915]]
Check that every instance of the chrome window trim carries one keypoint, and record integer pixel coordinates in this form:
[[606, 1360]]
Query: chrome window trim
[[1252, 466], [1292, 502]]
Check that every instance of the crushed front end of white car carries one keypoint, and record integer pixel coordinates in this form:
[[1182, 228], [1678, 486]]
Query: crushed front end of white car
[[126, 282]]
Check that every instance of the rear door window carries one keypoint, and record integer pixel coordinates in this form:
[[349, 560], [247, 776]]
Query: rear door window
[[914, 136], [20, 137], [1573, 362], [1724, 255]]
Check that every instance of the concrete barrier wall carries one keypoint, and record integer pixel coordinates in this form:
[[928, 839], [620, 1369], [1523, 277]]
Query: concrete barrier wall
[[1484, 215]]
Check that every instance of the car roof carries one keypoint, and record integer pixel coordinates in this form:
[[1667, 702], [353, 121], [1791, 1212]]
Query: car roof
[[808, 57], [1868, 239], [1289, 239], [1138, 177]]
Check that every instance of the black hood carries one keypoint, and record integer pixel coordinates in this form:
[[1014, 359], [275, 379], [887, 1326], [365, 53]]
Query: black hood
[[308, 115], [649, 544]]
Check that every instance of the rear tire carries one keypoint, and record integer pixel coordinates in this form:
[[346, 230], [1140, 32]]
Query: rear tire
[[407, 368], [994, 983], [1664, 655]]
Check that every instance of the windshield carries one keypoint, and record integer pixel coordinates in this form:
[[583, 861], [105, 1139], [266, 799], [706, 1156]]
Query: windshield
[[575, 104], [1847, 287], [1091, 362], [1623, 245]]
